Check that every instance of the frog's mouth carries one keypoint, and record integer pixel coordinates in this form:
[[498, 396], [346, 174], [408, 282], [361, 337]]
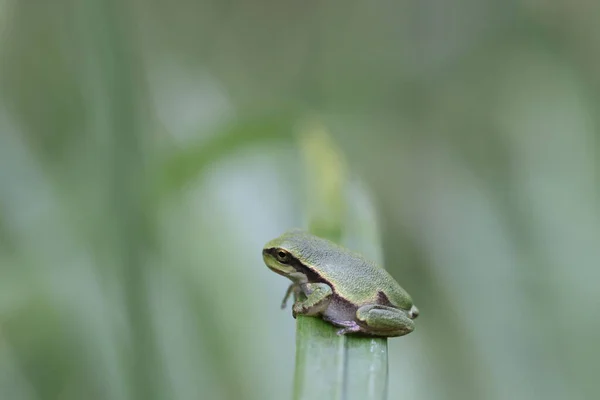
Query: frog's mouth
[[277, 271], [275, 266]]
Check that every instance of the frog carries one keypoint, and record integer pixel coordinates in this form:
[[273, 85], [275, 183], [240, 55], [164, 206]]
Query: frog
[[340, 286]]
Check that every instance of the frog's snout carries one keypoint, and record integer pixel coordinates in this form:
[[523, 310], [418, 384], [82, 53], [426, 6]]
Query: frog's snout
[[413, 313]]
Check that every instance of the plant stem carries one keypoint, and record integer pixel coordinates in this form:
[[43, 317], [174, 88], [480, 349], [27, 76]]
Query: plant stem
[[331, 366]]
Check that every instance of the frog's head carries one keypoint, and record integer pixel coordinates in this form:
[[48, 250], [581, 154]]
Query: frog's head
[[283, 255]]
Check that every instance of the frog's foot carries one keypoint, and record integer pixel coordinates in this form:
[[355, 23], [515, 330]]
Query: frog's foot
[[348, 326], [352, 327]]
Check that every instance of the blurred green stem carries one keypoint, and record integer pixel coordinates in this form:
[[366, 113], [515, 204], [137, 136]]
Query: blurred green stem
[[329, 366]]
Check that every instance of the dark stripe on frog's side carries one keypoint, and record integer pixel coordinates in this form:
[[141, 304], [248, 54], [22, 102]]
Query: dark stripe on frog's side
[[314, 277], [383, 300]]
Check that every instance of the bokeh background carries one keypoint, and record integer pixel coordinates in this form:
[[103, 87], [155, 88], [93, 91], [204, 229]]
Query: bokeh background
[[148, 150]]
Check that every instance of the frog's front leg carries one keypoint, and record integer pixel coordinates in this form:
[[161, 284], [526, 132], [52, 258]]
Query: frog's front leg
[[382, 320], [318, 296], [297, 280], [293, 288]]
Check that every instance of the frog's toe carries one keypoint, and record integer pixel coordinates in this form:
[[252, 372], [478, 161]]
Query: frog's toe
[[352, 327]]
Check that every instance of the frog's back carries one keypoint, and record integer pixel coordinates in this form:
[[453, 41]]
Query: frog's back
[[357, 278]]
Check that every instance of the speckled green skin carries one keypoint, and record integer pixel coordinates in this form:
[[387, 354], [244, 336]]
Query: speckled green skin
[[341, 286]]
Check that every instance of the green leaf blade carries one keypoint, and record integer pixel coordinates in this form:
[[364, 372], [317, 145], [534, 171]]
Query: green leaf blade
[[331, 366]]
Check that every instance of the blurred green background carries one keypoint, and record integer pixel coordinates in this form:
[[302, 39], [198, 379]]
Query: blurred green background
[[148, 150]]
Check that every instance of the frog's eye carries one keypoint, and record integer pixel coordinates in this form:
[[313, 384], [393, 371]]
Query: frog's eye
[[282, 256]]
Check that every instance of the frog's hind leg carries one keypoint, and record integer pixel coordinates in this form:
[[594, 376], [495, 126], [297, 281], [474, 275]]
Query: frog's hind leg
[[384, 321]]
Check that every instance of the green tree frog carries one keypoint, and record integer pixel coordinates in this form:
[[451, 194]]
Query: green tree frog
[[340, 286]]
